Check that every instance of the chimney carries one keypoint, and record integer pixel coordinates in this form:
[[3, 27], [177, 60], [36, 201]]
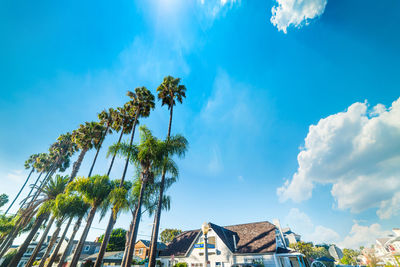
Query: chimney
[[234, 243]]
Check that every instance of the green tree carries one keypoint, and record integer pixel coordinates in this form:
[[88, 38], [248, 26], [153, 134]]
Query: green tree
[[150, 158], [169, 92], [167, 235], [29, 164], [117, 240], [94, 190], [106, 121], [86, 137], [65, 206], [55, 187], [3, 200], [140, 105], [349, 256]]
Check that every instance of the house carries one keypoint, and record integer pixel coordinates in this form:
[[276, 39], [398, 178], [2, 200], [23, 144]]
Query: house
[[88, 248], [142, 248], [113, 258], [387, 249], [235, 245], [142, 251], [290, 236]]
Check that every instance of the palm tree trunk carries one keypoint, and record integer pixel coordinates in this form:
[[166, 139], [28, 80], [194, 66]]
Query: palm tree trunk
[[156, 224], [70, 242], [127, 241], [106, 238], [157, 216], [57, 249], [115, 154], [38, 247], [136, 220], [77, 164], [79, 247], [128, 157], [112, 221], [22, 248], [98, 150], [30, 192], [50, 246], [19, 192]]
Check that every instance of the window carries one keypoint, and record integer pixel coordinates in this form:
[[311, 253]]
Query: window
[[86, 248], [141, 251]]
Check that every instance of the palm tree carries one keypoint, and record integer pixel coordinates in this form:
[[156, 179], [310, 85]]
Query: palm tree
[[94, 191], [106, 120], [86, 137], [149, 203], [169, 92], [119, 200], [148, 157], [65, 206], [29, 164], [122, 121], [55, 187], [140, 105]]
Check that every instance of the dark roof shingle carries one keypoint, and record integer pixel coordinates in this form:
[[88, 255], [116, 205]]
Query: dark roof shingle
[[250, 238]]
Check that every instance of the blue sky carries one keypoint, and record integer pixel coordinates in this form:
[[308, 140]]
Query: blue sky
[[256, 81]]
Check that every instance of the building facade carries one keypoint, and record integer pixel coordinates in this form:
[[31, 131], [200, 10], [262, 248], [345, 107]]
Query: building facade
[[235, 245]]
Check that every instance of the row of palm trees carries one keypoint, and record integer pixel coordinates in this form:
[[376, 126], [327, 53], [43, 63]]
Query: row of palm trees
[[61, 199]]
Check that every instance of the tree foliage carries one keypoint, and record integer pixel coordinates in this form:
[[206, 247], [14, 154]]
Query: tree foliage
[[3, 200], [167, 235], [117, 240], [349, 256]]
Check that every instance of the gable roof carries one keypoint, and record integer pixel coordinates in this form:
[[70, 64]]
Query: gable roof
[[250, 238], [180, 244]]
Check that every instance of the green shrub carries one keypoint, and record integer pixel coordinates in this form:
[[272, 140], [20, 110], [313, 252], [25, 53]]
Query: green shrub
[[181, 264]]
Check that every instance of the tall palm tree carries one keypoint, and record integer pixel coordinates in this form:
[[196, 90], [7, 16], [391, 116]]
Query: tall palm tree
[[78, 212], [123, 122], [119, 200], [149, 203], [65, 206], [140, 105], [29, 164], [94, 191], [55, 187], [106, 120], [148, 157], [169, 92], [86, 137]]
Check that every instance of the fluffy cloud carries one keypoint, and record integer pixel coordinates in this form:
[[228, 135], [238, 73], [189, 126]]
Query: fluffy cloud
[[363, 236], [301, 224], [358, 152], [296, 12]]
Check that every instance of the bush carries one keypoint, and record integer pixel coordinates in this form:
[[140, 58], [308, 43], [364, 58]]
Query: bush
[[181, 264]]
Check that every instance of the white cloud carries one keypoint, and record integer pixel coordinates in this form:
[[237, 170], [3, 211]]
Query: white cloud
[[363, 236], [358, 152], [302, 224], [359, 235], [296, 12], [16, 176], [215, 7]]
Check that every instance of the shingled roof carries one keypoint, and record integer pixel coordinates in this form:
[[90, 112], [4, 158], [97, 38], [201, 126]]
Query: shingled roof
[[250, 238]]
